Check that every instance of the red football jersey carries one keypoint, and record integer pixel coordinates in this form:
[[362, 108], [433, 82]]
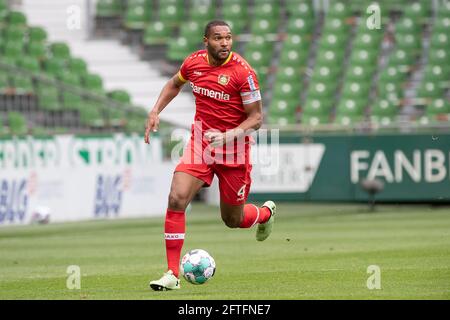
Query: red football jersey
[[221, 92]]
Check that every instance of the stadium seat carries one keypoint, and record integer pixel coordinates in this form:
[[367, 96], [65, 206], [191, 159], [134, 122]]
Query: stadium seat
[[318, 106], [300, 26], [60, 50], [121, 96], [440, 40], [201, 12], [17, 123], [438, 106], [283, 107], [108, 8], [94, 83], [300, 9], [288, 74], [265, 9], [348, 119], [53, 66], [355, 90], [338, 9], [22, 83], [78, 67], [157, 32], [286, 90], [136, 16], [234, 10], [37, 34], [48, 98], [314, 120], [264, 26], [362, 73], [179, 48], [171, 13], [384, 107], [29, 63], [430, 90], [351, 107], [17, 19]]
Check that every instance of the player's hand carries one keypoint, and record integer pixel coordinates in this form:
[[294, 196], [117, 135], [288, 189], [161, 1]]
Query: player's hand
[[151, 125], [218, 139]]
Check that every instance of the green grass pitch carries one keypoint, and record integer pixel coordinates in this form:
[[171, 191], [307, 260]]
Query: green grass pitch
[[314, 252]]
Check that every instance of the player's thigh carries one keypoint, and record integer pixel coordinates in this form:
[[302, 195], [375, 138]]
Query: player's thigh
[[183, 188]]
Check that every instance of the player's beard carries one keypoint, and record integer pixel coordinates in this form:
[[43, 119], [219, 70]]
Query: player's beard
[[216, 54]]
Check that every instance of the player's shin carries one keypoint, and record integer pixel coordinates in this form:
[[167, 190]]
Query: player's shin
[[254, 215], [174, 230]]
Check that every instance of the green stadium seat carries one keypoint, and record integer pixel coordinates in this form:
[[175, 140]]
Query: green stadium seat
[[436, 73], [351, 107], [257, 58], [108, 8], [443, 10], [355, 90], [4, 83], [78, 67], [30, 63], [438, 56], [321, 90], [407, 25], [330, 58], [392, 74], [14, 49], [258, 43], [438, 106], [237, 26], [441, 25], [37, 34], [390, 90], [37, 50], [14, 34], [53, 66], [91, 114], [440, 40], [234, 10], [60, 50], [293, 57], [318, 106], [348, 119], [192, 31], [94, 83], [202, 12], [121, 96], [314, 120], [335, 25], [264, 26], [266, 10], [324, 73], [22, 83], [17, 123], [48, 97], [363, 57], [283, 107], [281, 120], [361, 73], [401, 57], [179, 48], [338, 9], [300, 26], [157, 32], [430, 90], [367, 40], [384, 107], [288, 74], [333, 41], [300, 9], [416, 11], [136, 17], [170, 13], [286, 90], [17, 19], [408, 42]]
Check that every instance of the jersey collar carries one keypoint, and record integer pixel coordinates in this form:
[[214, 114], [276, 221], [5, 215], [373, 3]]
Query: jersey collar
[[225, 62]]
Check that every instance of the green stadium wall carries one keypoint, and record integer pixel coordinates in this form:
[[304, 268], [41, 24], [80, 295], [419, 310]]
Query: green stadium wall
[[413, 168]]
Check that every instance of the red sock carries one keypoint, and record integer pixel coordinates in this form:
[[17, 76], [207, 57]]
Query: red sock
[[254, 215], [174, 229]]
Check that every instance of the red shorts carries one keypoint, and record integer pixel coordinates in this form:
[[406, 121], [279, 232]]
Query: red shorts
[[234, 176]]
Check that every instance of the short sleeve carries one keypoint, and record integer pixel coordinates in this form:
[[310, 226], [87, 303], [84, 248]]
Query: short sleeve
[[250, 88], [184, 71]]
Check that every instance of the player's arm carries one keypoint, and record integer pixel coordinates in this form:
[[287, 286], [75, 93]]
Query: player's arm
[[252, 123], [169, 91]]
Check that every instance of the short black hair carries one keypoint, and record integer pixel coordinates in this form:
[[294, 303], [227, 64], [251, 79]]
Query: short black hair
[[214, 23]]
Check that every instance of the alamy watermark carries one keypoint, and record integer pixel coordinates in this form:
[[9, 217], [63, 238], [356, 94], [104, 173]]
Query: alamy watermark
[[374, 280], [73, 281]]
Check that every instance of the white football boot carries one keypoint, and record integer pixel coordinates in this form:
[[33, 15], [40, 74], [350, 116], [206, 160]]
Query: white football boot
[[264, 229], [167, 282]]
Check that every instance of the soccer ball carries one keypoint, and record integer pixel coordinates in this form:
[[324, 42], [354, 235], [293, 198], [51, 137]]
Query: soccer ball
[[197, 266]]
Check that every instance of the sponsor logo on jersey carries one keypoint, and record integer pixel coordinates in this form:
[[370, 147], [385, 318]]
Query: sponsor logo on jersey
[[198, 73], [224, 79], [210, 93]]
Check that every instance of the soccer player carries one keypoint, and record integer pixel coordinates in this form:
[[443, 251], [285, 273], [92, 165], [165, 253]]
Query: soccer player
[[228, 107]]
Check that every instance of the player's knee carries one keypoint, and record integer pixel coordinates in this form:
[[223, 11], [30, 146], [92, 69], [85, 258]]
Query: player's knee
[[177, 201], [231, 222]]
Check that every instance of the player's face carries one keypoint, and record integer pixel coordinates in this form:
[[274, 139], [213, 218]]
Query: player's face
[[219, 42]]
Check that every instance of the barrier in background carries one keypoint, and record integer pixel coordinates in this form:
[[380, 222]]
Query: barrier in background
[[413, 167], [78, 178]]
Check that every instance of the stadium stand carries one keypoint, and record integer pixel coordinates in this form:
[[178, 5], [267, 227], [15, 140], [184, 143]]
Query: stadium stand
[[319, 63], [44, 89]]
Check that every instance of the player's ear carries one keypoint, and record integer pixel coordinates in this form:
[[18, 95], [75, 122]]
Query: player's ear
[[205, 40]]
